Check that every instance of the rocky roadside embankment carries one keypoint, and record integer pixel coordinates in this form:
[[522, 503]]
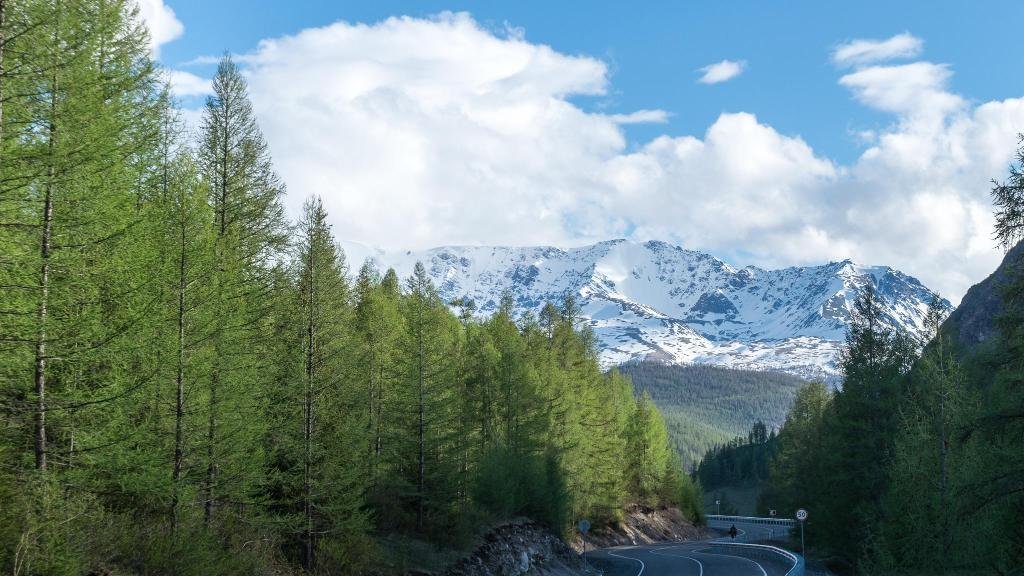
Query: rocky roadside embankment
[[525, 547], [644, 525], [518, 548]]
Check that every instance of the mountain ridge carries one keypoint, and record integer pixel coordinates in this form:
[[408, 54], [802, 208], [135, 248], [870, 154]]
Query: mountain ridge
[[658, 301]]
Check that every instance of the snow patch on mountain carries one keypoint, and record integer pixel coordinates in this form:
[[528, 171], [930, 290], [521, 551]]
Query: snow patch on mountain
[[658, 301]]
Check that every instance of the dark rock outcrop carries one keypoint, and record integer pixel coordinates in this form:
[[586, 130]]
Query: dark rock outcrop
[[973, 323], [517, 548]]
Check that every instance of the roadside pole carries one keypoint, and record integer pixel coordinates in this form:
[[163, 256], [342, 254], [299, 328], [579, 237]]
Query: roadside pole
[[584, 526], [801, 515]]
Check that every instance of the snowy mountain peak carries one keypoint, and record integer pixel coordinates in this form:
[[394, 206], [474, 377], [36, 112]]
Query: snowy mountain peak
[[660, 301]]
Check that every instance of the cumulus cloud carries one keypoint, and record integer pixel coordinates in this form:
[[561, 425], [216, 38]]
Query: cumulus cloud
[[905, 89], [163, 24], [721, 71], [422, 132], [860, 52]]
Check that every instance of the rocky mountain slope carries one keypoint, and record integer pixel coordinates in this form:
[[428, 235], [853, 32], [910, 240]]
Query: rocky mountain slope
[[661, 302], [973, 323], [973, 326]]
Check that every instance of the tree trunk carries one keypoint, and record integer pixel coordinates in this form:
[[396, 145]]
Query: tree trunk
[[3, 42], [179, 385], [44, 279], [421, 476], [211, 438], [308, 428]]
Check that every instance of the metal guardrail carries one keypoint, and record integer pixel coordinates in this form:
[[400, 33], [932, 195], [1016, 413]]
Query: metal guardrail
[[765, 551], [784, 524], [752, 520]]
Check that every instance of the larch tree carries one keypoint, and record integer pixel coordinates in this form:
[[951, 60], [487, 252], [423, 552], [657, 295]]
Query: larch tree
[[332, 430], [250, 233], [649, 454], [429, 400], [378, 325]]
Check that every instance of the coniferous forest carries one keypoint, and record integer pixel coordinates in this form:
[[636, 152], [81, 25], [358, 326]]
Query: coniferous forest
[[911, 467], [914, 465], [192, 384]]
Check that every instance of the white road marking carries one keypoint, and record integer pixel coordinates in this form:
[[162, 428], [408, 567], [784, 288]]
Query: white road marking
[[642, 565], [699, 563], [761, 568]]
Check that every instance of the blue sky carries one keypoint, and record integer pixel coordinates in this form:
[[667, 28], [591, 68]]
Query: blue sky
[[654, 50], [864, 130]]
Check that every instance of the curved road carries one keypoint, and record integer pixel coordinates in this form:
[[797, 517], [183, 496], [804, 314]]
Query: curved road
[[701, 558]]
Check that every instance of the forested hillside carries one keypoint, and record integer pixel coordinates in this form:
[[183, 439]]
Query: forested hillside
[[708, 406], [191, 384]]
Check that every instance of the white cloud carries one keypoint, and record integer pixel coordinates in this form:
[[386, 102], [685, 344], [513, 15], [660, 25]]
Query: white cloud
[[163, 24], [188, 84], [861, 51], [721, 71], [439, 131], [918, 88], [641, 117]]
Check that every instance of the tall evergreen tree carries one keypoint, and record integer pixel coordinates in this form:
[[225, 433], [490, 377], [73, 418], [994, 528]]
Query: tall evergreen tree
[[250, 232], [648, 451], [429, 399], [378, 325], [864, 421], [188, 234], [332, 489]]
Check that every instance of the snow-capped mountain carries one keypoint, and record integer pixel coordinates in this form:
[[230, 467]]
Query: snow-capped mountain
[[658, 301]]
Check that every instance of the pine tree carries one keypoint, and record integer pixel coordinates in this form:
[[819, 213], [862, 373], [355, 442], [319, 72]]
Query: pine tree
[[864, 424], [188, 239], [799, 476], [429, 399], [1008, 198], [378, 325], [332, 489], [650, 456], [249, 227], [81, 108]]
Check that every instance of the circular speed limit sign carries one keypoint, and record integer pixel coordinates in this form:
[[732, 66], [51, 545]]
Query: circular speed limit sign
[[801, 514]]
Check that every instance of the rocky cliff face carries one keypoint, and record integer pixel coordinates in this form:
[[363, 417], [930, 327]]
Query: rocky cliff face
[[657, 301], [973, 323]]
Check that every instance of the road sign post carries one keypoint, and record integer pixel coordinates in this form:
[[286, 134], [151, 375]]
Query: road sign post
[[719, 504], [801, 515], [584, 526]]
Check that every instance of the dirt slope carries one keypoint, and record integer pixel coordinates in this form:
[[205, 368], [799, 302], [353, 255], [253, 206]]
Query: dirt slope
[[643, 525]]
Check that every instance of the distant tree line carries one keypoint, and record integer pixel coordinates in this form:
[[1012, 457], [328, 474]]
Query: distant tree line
[[190, 384], [707, 406], [739, 462]]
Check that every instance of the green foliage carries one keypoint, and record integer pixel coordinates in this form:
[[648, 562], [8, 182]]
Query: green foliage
[[911, 470], [511, 484], [798, 473], [740, 462], [650, 457], [1008, 198], [707, 406], [190, 386]]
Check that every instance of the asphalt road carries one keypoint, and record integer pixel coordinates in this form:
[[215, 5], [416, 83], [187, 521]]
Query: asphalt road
[[700, 558]]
